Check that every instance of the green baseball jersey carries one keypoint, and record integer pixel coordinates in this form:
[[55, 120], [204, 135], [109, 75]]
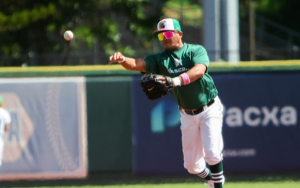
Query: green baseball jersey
[[173, 63]]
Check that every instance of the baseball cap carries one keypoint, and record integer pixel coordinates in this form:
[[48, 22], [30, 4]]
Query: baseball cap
[[168, 24]]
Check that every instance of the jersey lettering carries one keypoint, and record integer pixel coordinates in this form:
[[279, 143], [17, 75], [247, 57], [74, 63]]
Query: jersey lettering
[[179, 70]]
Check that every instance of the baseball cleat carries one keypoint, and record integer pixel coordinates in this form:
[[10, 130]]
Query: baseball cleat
[[210, 183]]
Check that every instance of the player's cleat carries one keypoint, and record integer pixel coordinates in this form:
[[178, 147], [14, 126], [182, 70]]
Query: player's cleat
[[210, 183]]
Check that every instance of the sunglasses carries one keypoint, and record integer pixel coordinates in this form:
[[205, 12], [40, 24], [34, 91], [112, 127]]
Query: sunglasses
[[167, 35]]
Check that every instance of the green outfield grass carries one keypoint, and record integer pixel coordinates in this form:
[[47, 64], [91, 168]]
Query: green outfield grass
[[127, 180]]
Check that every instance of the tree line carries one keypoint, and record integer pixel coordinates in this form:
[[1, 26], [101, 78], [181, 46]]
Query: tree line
[[37, 26]]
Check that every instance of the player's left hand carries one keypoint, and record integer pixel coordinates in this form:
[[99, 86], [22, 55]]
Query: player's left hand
[[156, 86]]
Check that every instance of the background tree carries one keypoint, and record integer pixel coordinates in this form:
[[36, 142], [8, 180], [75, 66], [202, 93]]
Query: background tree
[[36, 26], [282, 12]]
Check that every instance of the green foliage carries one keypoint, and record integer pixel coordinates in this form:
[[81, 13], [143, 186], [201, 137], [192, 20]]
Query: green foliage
[[187, 11], [284, 12], [37, 26]]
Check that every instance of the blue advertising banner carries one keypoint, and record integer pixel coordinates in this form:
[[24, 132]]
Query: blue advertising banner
[[156, 134], [47, 135], [260, 129]]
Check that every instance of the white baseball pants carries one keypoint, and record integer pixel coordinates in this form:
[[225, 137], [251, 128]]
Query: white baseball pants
[[202, 140]]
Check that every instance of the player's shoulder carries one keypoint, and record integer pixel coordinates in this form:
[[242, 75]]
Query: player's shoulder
[[195, 46], [4, 111], [4, 115], [195, 49]]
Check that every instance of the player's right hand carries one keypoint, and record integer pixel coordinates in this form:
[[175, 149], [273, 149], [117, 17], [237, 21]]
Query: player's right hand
[[117, 57]]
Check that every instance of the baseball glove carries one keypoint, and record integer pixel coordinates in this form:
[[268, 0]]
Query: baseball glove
[[154, 88]]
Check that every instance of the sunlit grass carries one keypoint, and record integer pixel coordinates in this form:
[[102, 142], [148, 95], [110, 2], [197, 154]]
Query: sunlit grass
[[127, 180]]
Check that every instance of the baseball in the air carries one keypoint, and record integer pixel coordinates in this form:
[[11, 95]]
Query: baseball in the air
[[68, 35]]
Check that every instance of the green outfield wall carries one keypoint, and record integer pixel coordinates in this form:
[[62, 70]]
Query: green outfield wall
[[104, 70], [109, 104], [109, 123]]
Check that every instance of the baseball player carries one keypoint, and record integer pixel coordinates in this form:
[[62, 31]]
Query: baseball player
[[5, 120], [196, 94]]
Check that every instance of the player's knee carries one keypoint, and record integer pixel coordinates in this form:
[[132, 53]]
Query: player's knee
[[213, 157], [191, 169], [194, 169]]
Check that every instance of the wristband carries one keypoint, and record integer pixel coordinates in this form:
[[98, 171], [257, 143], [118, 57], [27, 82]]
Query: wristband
[[185, 78], [122, 60], [176, 81]]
